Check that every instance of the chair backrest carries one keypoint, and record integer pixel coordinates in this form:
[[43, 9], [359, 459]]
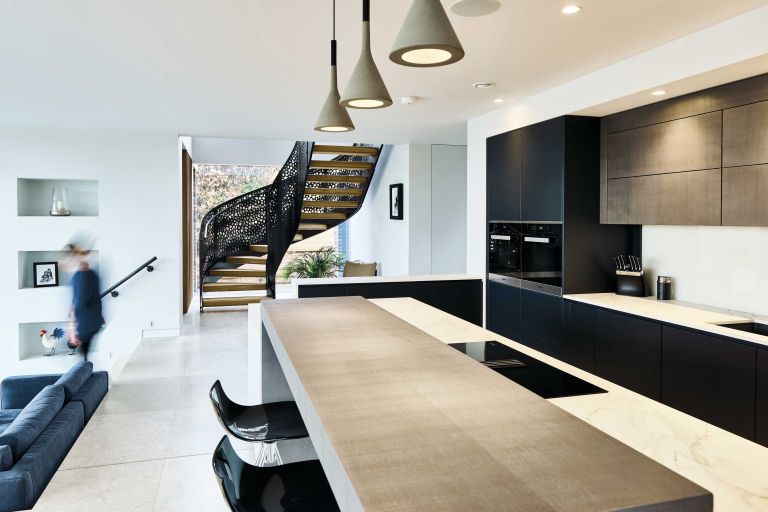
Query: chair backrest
[[229, 468], [226, 410], [359, 269]]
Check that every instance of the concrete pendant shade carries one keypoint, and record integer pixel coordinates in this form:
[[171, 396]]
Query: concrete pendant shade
[[333, 117], [366, 88], [426, 38]]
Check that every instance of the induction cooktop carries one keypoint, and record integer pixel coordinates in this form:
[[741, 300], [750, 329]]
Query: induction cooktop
[[534, 375]]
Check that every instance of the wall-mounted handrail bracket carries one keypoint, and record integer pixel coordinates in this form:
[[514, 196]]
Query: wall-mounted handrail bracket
[[113, 289]]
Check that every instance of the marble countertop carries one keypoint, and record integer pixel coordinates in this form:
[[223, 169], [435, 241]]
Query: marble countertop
[[702, 318], [729, 466]]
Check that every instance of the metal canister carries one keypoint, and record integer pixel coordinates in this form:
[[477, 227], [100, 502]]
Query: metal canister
[[664, 288]]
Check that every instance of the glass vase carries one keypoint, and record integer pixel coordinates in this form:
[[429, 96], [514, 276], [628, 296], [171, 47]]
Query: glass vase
[[59, 203]]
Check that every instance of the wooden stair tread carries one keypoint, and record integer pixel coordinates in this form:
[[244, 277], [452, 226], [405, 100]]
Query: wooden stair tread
[[233, 287], [331, 204], [255, 260], [337, 216], [333, 191], [330, 178], [345, 150], [307, 226], [340, 164], [258, 248], [237, 272], [232, 301]]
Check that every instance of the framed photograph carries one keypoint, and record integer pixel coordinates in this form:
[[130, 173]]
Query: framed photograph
[[46, 274], [396, 201]]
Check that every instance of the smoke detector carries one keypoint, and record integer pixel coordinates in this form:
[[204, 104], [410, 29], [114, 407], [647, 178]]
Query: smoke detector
[[483, 85], [474, 8], [409, 100]]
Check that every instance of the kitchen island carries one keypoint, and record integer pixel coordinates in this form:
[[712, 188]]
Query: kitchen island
[[400, 421]]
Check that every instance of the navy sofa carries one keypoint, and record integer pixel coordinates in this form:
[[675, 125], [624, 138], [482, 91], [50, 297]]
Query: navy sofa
[[41, 417]]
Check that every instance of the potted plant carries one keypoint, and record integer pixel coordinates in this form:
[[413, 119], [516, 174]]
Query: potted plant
[[325, 262]]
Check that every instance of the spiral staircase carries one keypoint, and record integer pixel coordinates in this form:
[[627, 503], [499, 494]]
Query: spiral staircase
[[243, 240]]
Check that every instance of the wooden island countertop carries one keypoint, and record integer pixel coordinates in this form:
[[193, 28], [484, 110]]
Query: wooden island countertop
[[403, 422]]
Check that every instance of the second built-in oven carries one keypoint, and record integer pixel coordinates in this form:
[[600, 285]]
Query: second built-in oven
[[541, 251]]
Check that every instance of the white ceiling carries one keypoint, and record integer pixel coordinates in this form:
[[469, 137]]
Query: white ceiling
[[259, 68]]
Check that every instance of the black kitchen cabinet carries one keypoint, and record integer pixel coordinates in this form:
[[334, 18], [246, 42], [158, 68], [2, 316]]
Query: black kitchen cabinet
[[710, 378], [503, 310], [330, 290], [459, 298], [543, 166], [504, 167], [580, 335], [761, 423], [628, 352], [542, 325]]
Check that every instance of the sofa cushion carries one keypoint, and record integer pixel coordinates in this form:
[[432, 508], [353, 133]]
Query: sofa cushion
[[32, 421], [75, 377], [7, 417], [92, 392], [16, 392], [6, 458]]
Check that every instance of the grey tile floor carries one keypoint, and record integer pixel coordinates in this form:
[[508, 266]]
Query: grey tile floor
[[148, 447]]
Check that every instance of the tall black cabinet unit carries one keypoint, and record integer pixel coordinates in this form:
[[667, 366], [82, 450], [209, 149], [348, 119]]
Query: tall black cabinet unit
[[550, 173]]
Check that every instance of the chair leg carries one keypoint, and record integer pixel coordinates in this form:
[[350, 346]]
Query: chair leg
[[268, 454]]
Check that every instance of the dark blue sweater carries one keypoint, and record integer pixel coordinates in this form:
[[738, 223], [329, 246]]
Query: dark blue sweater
[[86, 301]]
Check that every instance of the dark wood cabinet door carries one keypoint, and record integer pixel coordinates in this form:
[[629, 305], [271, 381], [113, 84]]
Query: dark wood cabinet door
[[744, 193], [459, 298], [542, 322], [761, 421], [710, 378], [543, 168], [628, 352], [503, 310], [580, 335], [745, 135], [504, 163], [688, 144]]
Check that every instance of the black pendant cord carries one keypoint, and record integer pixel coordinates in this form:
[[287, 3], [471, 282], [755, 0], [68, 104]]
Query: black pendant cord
[[333, 41], [366, 10]]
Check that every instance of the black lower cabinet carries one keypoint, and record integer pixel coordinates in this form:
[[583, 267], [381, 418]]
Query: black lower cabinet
[[331, 290], [459, 298], [761, 422], [541, 322], [710, 378], [580, 335], [628, 352], [503, 310]]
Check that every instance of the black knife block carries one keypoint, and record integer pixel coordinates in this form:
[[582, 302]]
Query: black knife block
[[632, 284]]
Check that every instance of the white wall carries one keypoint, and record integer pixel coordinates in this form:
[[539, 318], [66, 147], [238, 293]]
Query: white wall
[[215, 150], [736, 40], [449, 209], [419, 210], [139, 217]]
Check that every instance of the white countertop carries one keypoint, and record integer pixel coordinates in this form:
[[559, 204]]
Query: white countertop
[[702, 318], [729, 466]]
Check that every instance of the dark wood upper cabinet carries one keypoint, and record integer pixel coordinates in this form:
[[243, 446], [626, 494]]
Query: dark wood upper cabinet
[[628, 352], [710, 378], [543, 167], [761, 422], [504, 174], [745, 135], [688, 144], [745, 190]]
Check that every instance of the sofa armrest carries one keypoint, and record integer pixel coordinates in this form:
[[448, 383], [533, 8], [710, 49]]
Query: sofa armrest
[[16, 392]]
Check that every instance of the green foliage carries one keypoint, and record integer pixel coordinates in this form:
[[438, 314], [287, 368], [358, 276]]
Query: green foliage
[[325, 262]]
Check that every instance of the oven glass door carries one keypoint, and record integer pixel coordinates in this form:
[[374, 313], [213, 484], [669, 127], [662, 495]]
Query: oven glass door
[[542, 254], [504, 250]]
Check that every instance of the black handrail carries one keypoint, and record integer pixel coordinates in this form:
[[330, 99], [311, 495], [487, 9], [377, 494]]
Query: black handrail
[[113, 290]]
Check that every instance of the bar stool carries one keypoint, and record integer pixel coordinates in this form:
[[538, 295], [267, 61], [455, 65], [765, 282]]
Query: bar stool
[[264, 423], [299, 486]]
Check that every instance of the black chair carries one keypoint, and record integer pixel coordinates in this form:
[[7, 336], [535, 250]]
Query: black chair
[[265, 423], [299, 486]]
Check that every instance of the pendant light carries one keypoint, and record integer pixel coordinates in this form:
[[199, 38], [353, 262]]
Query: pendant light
[[366, 88], [333, 117], [426, 38]]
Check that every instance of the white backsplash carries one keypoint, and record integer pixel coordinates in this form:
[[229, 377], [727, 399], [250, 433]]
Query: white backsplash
[[726, 267]]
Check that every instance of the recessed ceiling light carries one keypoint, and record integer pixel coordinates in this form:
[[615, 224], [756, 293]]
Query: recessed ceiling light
[[571, 9], [473, 8], [483, 85], [498, 100], [659, 92]]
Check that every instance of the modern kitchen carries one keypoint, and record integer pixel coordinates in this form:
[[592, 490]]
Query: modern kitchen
[[585, 384]]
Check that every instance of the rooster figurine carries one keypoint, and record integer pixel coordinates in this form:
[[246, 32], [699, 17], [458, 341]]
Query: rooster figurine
[[49, 340]]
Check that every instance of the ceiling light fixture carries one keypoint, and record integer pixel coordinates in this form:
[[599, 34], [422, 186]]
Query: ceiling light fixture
[[366, 88], [483, 85], [333, 117], [659, 92], [498, 100], [571, 9], [426, 38], [474, 8]]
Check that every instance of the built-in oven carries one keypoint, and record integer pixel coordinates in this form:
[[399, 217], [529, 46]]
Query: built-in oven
[[504, 252], [541, 255]]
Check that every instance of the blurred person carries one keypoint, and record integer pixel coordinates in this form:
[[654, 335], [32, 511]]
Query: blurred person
[[85, 310]]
